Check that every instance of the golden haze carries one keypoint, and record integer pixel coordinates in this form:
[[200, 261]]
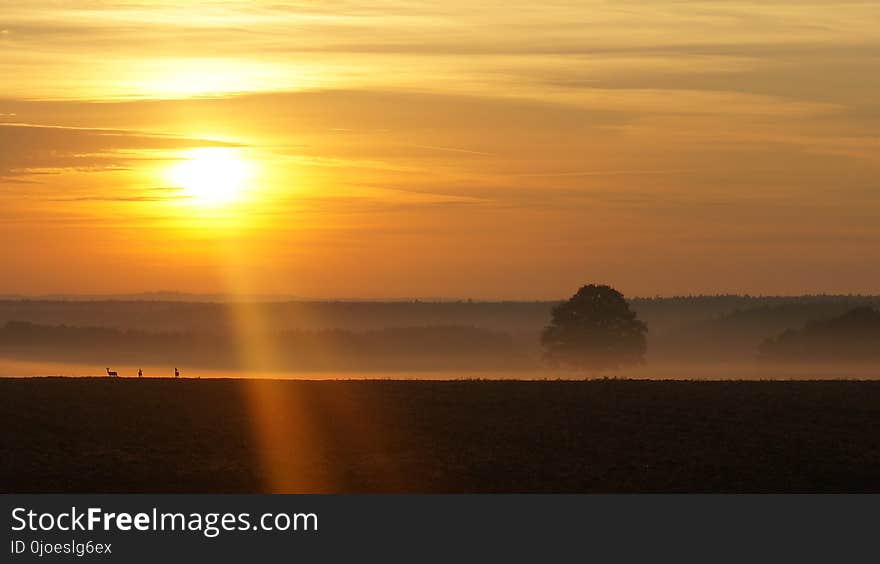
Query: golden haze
[[371, 149]]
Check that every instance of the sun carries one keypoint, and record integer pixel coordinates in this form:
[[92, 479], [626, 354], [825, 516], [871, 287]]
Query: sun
[[212, 176]]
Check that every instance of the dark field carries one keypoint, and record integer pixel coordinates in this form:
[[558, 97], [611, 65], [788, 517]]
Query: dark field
[[102, 435]]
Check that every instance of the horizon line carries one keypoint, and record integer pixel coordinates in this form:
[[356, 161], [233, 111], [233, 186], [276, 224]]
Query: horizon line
[[217, 297]]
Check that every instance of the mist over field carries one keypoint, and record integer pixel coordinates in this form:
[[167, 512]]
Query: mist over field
[[702, 337]]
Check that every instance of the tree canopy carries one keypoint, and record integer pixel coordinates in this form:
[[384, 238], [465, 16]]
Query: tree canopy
[[853, 336], [595, 329]]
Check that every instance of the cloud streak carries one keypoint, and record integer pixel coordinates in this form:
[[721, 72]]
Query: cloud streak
[[519, 147], [30, 149]]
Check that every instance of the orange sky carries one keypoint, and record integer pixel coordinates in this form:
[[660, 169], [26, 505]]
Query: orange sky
[[399, 149]]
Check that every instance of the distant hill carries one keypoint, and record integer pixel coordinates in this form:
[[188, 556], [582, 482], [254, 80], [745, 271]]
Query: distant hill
[[736, 334], [851, 337]]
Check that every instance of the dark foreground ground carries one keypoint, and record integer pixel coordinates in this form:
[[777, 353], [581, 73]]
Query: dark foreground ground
[[101, 435]]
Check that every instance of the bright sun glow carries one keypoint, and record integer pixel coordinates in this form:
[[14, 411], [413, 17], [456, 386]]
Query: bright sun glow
[[212, 176]]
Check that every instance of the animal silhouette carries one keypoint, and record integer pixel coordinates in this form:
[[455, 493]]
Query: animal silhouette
[[112, 373]]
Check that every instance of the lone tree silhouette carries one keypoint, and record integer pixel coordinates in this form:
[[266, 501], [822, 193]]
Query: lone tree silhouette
[[593, 330]]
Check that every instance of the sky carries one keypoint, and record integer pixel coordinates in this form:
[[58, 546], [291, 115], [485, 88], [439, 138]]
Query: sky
[[492, 150]]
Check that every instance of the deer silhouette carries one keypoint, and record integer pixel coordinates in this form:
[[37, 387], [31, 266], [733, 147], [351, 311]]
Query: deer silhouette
[[112, 373]]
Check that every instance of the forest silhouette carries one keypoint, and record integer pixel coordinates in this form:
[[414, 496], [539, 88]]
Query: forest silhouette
[[415, 335]]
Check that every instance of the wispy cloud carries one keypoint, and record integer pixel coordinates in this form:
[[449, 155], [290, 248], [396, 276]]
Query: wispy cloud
[[29, 149]]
